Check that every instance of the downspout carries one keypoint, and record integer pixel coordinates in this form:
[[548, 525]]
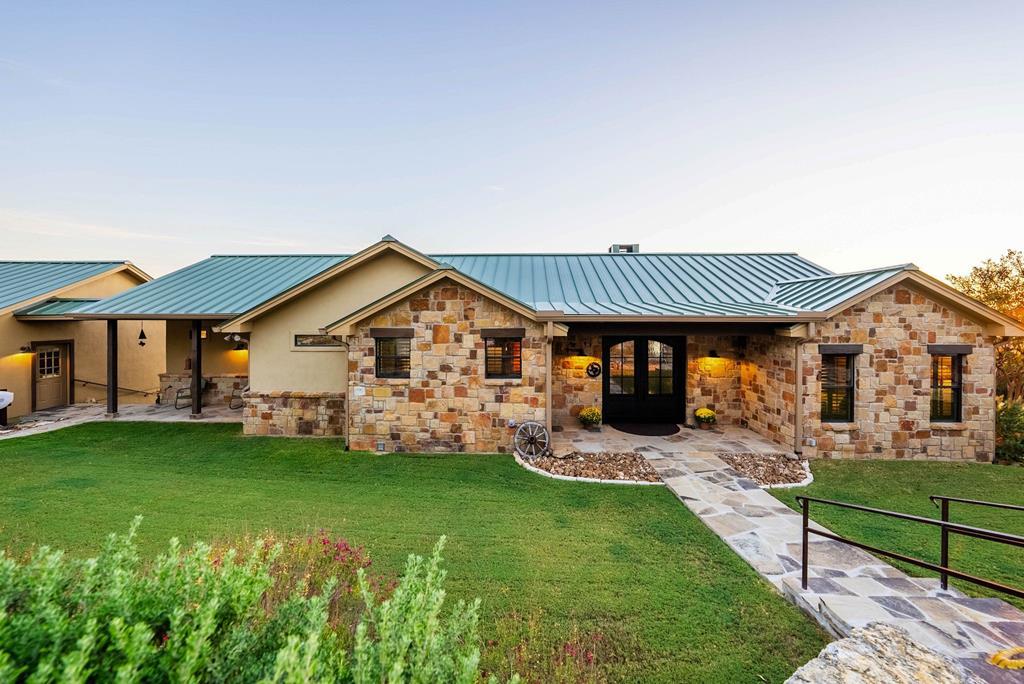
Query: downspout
[[549, 342], [348, 398]]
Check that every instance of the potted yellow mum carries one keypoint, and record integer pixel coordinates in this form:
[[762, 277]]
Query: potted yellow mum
[[590, 418], [705, 418]]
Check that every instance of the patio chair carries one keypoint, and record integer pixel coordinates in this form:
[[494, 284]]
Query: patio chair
[[236, 401], [185, 394]]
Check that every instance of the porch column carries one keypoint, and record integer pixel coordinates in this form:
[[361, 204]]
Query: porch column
[[111, 368], [197, 368], [549, 342]]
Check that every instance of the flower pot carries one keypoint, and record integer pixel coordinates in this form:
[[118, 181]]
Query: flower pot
[[592, 428], [705, 426]]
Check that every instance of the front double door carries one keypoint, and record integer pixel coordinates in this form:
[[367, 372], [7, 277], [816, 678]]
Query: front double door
[[644, 379]]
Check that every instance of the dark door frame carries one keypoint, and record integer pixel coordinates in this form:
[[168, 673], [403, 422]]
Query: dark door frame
[[644, 407], [70, 346]]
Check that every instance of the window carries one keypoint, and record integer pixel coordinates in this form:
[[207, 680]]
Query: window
[[621, 368], [947, 372], [48, 363], [318, 341], [659, 368], [837, 384], [392, 355], [504, 357]]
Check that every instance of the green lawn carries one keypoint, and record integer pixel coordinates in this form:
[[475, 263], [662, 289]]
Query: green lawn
[[625, 570], [904, 486]]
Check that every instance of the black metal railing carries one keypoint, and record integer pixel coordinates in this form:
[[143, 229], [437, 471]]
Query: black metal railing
[[945, 526], [943, 503]]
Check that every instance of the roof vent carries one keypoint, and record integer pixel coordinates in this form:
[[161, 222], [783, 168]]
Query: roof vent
[[624, 249]]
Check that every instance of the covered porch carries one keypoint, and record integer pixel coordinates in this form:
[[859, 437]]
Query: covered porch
[[686, 441]]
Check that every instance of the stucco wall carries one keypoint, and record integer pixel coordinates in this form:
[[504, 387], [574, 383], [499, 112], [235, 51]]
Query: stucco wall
[[219, 355], [138, 367], [276, 366], [447, 403]]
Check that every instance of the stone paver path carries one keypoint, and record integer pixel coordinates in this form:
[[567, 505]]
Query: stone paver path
[[848, 588]]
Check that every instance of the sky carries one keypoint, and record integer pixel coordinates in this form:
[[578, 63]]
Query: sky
[[858, 134]]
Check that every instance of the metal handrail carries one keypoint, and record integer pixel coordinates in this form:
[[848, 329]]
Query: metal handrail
[[130, 390], [943, 568], [943, 503]]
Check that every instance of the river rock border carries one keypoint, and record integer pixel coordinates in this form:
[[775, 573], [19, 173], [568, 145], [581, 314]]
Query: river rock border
[[569, 478]]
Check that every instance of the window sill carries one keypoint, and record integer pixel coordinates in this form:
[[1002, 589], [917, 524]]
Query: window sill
[[947, 426], [503, 381], [839, 427]]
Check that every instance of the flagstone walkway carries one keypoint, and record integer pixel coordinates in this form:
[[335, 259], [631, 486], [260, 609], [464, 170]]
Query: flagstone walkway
[[848, 588], [48, 420]]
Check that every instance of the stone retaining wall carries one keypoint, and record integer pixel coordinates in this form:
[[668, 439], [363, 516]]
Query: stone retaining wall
[[315, 414]]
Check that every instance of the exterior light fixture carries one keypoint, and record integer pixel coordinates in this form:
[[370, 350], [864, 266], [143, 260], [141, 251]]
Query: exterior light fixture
[[713, 354], [25, 349], [240, 347]]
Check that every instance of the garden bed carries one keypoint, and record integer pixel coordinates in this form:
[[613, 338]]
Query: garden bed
[[600, 466], [768, 470]]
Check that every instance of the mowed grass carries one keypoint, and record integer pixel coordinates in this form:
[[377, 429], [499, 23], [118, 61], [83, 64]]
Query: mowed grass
[[627, 571], [905, 486]]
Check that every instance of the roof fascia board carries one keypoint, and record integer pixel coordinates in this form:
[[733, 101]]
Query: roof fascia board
[[116, 268], [327, 274], [344, 325]]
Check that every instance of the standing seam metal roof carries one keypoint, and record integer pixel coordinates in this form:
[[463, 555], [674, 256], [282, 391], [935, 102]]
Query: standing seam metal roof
[[577, 284], [21, 281], [56, 306]]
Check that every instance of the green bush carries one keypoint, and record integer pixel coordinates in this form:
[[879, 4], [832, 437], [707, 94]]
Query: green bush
[[1010, 431], [207, 614]]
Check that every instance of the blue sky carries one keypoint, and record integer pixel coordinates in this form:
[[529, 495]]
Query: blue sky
[[858, 134]]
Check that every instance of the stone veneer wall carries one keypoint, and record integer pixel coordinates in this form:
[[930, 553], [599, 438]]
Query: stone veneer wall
[[893, 382], [768, 381], [447, 404], [219, 388], [571, 388], [315, 414], [714, 382]]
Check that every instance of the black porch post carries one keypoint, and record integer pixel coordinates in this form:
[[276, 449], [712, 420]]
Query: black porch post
[[111, 368], [197, 368]]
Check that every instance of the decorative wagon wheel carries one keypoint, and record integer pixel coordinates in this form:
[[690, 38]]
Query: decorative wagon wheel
[[531, 440]]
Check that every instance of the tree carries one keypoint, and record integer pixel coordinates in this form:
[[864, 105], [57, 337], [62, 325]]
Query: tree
[[1000, 284]]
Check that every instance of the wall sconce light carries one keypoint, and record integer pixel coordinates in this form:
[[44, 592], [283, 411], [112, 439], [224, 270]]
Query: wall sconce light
[[240, 347], [25, 349], [713, 354]]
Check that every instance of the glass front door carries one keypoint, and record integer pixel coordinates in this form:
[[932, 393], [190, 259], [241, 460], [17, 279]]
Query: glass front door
[[643, 379]]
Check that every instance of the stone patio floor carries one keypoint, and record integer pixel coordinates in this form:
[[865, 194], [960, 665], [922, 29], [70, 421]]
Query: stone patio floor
[[848, 588], [76, 414]]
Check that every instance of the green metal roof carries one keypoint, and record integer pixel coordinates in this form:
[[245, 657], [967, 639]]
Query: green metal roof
[[824, 292], [218, 287], [639, 283], [687, 284], [55, 306], [24, 280]]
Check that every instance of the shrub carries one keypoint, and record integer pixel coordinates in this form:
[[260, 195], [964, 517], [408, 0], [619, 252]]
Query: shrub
[[1010, 431], [272, 612], [591, 415]]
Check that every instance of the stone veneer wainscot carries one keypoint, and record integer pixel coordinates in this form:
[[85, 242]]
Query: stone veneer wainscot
[[313, 414], [447, 403]]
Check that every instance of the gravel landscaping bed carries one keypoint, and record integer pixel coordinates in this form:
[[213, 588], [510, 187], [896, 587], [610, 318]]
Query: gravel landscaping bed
[[766, 469], [600, 466]]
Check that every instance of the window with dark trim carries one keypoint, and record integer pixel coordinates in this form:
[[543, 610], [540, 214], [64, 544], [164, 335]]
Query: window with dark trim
[[392, 356], [317, 341], [947, 393], [503, 357], [837, 384]]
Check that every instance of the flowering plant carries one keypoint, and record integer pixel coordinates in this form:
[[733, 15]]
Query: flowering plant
[[591, 415], [705, 415]]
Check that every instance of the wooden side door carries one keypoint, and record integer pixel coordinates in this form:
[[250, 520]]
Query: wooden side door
[[51, 376]]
